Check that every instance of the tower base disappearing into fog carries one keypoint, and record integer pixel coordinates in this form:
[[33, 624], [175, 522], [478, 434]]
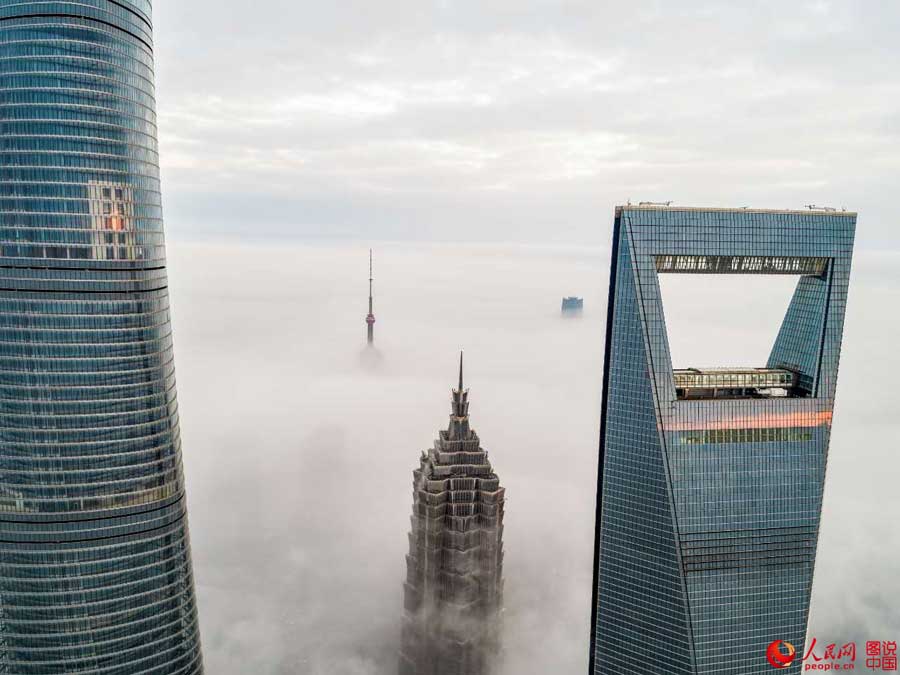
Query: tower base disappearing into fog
[[453, 592]]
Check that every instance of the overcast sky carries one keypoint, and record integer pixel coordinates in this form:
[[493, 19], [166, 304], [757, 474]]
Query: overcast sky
[[520, 119]]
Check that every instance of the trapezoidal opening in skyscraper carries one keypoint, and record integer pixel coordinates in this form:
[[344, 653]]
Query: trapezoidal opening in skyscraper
[[723, 316], [723, 321]]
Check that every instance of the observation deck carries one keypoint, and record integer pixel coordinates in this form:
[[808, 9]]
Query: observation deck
[[695, 383]]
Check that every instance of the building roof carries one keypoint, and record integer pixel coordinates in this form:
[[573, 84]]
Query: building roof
[[720, 371], [712, 209]]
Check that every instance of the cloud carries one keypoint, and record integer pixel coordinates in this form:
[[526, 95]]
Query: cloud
[[519, 120]]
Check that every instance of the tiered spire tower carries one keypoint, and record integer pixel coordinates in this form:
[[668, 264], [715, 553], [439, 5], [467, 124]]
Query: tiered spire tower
[[454, 580]]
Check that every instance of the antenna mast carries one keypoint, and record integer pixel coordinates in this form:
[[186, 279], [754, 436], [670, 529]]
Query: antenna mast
[[370, 318]]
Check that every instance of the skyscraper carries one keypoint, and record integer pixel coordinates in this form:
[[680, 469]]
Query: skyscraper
[[453, 592], [95, 564], [711, 480]]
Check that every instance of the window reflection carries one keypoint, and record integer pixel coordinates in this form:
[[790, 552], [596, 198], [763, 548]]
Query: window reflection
[[112, 207]]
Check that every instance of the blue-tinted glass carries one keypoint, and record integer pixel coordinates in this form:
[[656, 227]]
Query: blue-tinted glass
[[95, 565], [711, 481]]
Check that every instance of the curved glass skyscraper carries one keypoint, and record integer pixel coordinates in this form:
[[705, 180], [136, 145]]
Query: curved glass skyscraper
[[95, 566]]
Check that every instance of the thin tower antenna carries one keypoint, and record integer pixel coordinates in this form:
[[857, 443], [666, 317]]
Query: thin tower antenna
[[370, 318]]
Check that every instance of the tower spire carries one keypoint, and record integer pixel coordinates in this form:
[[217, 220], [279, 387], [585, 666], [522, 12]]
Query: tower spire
[[459, 409], [370, 318]]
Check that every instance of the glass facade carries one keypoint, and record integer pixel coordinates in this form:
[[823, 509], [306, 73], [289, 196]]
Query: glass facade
[[709, 505], [95, 565]]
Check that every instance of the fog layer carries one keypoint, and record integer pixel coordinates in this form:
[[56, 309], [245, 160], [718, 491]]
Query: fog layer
[[299, 451]]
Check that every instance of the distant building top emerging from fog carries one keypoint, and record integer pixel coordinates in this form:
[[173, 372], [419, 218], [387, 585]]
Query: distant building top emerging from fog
[[572, 305]]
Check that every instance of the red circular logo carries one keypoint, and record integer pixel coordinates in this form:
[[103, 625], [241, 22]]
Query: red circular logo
[[781, 654]]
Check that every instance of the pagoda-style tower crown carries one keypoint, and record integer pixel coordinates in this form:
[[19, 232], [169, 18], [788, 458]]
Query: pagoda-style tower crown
[[453, 592]]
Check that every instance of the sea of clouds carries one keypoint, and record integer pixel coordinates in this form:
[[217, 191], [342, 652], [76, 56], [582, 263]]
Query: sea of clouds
[[299, 446]]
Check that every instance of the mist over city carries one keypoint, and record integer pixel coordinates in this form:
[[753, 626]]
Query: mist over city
[[299, 451]]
